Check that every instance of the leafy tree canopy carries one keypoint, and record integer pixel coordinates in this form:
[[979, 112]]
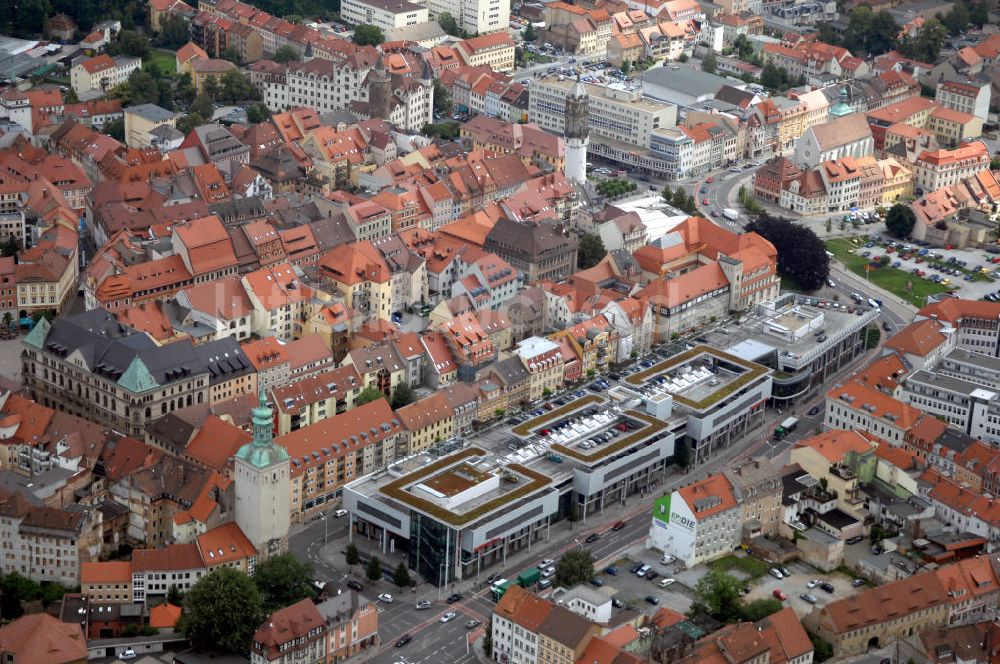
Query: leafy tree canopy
[[222, 611], [574, 567], [374, 569], [403, 395], [368, 35], [590, 251], [718, 595], [286, 53], [283, 580], [801, 254], [370, 393], [132, 43], [899, 221]]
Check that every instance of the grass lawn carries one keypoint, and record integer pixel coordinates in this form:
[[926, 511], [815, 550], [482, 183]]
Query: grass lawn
[[893, 280], [752, 568], [165, 60]]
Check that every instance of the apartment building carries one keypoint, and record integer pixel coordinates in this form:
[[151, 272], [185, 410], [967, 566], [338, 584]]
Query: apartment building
[[699, 522], [757, 487], [953, 128], [44, 544], [98, 75], [315, 398], [935, 169], [972, 97], [385, 14], [544, 362], [337, 450], [474, 17], [428, 421], [882, 615], [495, 50], [615, 114], [854, 405], [976, 323]]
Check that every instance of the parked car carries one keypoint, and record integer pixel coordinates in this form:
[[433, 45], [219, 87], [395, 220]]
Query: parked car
[[548, 562], [779, 594], [776, 573], [403, 640], [653, 599], [385, 597], [858, 538], [424, 604], [667, 559], [666, 582], [597, 581], [355, 585], [827, 587], [812, 584], [472, 624], [807, 597], [857, 583], [612, 570], [813, 411], [784, 570]]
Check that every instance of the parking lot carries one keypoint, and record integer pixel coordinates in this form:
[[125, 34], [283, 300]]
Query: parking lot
[[632, 590], [952, 268], [797, 584]]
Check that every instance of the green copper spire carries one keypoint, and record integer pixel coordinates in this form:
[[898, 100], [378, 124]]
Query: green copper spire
[[842, 107], [262, 452], [137, 377], [38, 333]]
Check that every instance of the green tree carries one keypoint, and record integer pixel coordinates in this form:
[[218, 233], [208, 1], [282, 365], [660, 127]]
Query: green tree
[[979, 13], [165, 94], [116, 129], [590, 252], [801, 254], [759, 609], [742, 47], [8, 319], [546, 393], [574, 567], [202, 105], [957, 19], [927, 44], [130, 42], [900, 220], [175, 596], [401, 576], [212, 88], [829, 224], [448, 24], [448, 131], [141, 88], [442, 98], [718, 595], [370, 393], [286, 53], [174, 31], [773, 77], [70, 97], [236, 86], [368, 35], [26, 18], [351, 555], [403, 395], [822, 650], [152, 67], [499, 412], [222, 611], [283, 580], [184, 90], [258, 113], [667, 194], [626, 67], [189, 122], [374, 569], [710, 63], [529, 33]]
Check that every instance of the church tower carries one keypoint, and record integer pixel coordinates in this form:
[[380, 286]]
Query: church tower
[[379, 91], [577, 132], [842, 107], [263, 487]]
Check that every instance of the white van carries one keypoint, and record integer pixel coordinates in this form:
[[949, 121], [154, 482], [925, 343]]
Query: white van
[[666, 582]]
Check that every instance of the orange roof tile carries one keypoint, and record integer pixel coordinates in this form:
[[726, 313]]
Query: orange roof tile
[[163, 616], [713, 486], [112, 571]]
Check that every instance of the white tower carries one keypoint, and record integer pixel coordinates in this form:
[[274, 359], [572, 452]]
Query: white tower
[[262, 487], [577, 132]]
